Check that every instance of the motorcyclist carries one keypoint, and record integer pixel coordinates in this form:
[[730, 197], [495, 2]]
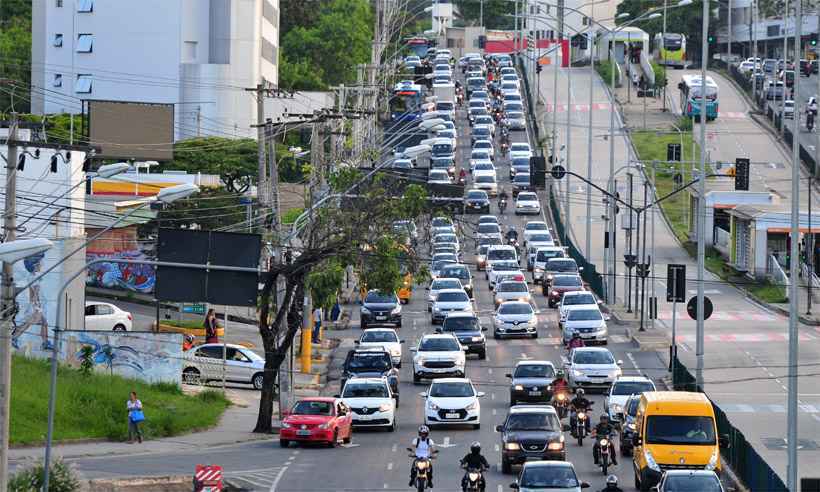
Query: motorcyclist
[[559, 384], [424, 447], [579, 404], [811, 106], [612, 485], [604, 429], [188, 342], [502, 194], [576, 341], [474, 461], [511, 235]]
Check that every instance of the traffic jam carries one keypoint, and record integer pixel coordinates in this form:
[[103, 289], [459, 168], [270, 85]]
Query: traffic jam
[[500, 372]]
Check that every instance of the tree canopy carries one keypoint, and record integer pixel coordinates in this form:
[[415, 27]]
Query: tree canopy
[[497, 13], [15, 53]]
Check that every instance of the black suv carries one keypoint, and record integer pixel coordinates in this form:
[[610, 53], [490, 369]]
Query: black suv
[[532, 432], [467, 328], [379, 309], [531, 381], [371, 363], [461, 272], [476, 201], [521, 182]]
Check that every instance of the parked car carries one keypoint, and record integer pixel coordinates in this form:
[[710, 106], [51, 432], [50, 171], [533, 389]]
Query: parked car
[[317, 419], [102, 316], [204, 363], [530, 433]]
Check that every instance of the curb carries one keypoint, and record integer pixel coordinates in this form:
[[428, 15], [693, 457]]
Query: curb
[[162, 483]]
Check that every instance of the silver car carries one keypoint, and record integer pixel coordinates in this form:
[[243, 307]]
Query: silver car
[[515, 318], [515, 121], [448, 301], [209, 362], [592, 367], [512, 291], [437, 286], [548, 476]]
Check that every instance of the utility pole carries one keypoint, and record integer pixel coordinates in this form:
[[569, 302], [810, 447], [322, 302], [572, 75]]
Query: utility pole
[[592, 79], [262, 177], [198, 121], [782, 128], [9, 234], [613, 224], [569, 141], [701, 222], [729, 42]]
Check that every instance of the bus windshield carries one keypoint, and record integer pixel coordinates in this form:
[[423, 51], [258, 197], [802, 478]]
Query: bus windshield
[[672, 42]]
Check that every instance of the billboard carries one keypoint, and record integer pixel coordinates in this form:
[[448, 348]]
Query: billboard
[[131, 130], [121, 243]]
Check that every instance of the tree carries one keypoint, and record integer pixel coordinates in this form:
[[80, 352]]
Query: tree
[[15, 56], [300, 75], [357, 232], [497, 13], [213, 208]]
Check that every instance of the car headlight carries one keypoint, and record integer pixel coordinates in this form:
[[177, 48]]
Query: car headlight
[[433, 406], [420, 360], [325, 426], [396, 310], [365, 310], [286, 425], [437, 308], [539, 270], [617, 372], [650, 460], [498, 321], [555, 446], [477, 339], [472, 406], [385, 407], [512, 446], [519, 387], [713, 461], [577, 373]]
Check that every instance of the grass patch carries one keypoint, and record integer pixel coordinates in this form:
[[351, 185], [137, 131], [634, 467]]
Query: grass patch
[[290, 216], [184, 323], [605, 69], [94, 406], [769, 292]]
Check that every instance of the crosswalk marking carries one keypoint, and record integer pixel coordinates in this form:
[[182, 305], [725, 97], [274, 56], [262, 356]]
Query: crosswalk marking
[[255, 479], [764, 408], [725, 315], [744, 337]]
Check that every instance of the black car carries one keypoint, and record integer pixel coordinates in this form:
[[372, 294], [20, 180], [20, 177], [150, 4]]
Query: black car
[[379, 309], [371, 363], [521, 182], [530, 432], [467, 328], [628, 429], [476, 201], [531, 381], [461, 272]]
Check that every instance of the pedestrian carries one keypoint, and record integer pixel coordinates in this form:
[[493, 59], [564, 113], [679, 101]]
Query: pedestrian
[[211, 327], [135, 418], [317, 323]]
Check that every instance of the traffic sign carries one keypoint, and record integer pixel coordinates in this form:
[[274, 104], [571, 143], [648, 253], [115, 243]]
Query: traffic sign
[[198, 308], [675, 283], [673, 152], [692, 308]]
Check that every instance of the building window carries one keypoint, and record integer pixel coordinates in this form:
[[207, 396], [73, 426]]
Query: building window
[[85, 6], [58, 40], [58, 80], [270, 53], [270, 13], [83, 84], [85, 43], [59, 4]]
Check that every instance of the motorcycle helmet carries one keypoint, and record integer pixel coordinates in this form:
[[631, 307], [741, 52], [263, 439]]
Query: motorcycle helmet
[[475, 447], [604, 418], [424, 431], [189, 338], [612, 480], [579, 392], [559, 375]]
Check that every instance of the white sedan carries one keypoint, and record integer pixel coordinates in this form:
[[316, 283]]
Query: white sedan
[[102, 316], [385, 338], [371, 402], [452, 401], [520, 150], [527, 203]]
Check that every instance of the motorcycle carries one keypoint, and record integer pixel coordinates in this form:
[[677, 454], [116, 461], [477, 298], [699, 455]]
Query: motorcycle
[[474, 480], [504, 148], [810, 121], [461, 180], [561, 402], [423, 466], [579, 430], [604, 448]]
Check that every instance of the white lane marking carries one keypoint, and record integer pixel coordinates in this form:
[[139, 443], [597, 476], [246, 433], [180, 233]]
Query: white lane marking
[[390, 466], [497, 448], [278, 479], [489, 370], [394, 448], [632, 359], [414, 323], [494, 412], [500, 488]]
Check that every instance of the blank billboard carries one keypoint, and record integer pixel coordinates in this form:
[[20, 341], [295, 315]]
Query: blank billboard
[[131, 130]]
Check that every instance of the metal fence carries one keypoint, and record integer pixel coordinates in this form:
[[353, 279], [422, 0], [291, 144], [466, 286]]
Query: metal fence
[[750, 468]]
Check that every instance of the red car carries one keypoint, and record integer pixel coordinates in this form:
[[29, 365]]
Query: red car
[[319, 419], [559, 285]]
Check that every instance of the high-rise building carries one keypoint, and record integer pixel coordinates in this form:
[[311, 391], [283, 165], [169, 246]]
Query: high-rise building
[[198, 55]]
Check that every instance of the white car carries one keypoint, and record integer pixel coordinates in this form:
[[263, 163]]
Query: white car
[[371, 402], [575, 298], [511, 78], [488, 230], [438, 176], [621, 390], [509, 87], [507, 70], [436, 286], [520, 150], [500, 252], [486, 182], [449, 301], [486, 120], [102, 316], [448, 108], [591, 367], [515, 318], [447, 238], [536, 242], [386, 338], [439, 355], [485, 145], [511, 290], [452, 401], [497, 268], [542, 256], [527, 203], [534, 227], [487, 219], [788, 109], [479, 155], [203, 363], [484, 167], [586, 321]]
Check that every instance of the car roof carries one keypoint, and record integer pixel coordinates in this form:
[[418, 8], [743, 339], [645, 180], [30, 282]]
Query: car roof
[[506, 303], [701, 473], [446, 291], [367, 380], [582, 307], [592, 349], [633, 379], [451, 279], [462, 314], [328, 399], [550, 248], [437, 335], [534, 363], [378, 329], [540, 222], [230, 345], [532, 409], [547, 464], [503, 246], [451, 380]]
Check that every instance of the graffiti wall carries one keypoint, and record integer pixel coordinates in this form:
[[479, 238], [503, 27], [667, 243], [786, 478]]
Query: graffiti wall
[[121, 243], [151, 357]]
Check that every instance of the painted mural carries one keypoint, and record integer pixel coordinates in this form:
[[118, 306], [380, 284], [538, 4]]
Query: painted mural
[[120, 243], [36, 304]]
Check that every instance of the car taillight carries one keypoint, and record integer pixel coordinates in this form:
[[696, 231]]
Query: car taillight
[[689, 108], [130, 318]]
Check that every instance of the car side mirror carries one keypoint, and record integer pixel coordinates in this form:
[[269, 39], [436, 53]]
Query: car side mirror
[[566, 428], [620, 362], [356, 342], [427, 288], [514, 486], [401, 341], [584, 485], [438, 330], [483, 328], [423, 394], [723, 441], [480, 394], [499, 428]]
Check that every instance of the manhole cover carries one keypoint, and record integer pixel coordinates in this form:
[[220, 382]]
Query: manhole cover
[[778, 443]]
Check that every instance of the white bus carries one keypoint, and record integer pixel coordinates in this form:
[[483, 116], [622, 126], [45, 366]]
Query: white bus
[[690, 94]]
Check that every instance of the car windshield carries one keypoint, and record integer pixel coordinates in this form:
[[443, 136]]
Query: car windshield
[[680, 429], [481, 130], [545, 255], [562, 266], [436, 175], [452, 390], [521, 162], [484, 166], [439, 149], [379, 336], [485, 178], [540, 238], [481, 155], [533, 422], [446, 106], [488, 228], [483, 120], [482, 250], [579, 299], [479, 94], [527, 197], [515, 115], [535, 226], [379, 298], [691, 483], [438, 265], [631, 387], [534, 371], [447, 283], [515, 308], [440, 221], [584, 315], [550, 477], [513, 287], [593, 357], [521, 179], [460, 323], [519, 147], [501, 254], [375, 362], [441, 163], [452, 297], [445, 238], [505, 267], [439, 345], [365, 390], [456, 272], [566, 281], [312, 408]]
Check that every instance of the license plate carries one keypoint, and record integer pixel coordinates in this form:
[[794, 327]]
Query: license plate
[[303, 433], [381, 318], [451, 415], [535, 393]]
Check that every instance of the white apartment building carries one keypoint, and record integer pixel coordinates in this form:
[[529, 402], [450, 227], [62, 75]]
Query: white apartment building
[[198, 55]]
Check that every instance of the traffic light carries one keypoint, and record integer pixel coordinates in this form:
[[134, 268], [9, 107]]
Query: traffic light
[[538, 68], [673, 152], [813, 39], [711, 39], [741, 174]]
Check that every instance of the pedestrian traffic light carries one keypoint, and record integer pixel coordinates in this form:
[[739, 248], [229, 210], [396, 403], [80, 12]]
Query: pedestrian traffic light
[[673, 152], [538, 68], [711, 39], [741, 174]]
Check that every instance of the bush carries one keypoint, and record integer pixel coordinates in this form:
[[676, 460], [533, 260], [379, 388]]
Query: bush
[[61, 479], [605, 69], [86, 360], [290, 216]]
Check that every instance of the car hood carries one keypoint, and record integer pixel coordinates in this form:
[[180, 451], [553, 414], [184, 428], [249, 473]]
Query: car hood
[[512, 295], [549, 489], [532, 381], [307, 419], [529, 203], [452, 305], [466, 334], [439, 355], [477, 200], [595, 367], [389, 346], [540, 244], [521, 318], [521, 435], [618, 399], [380, 306], [452, 403], [366, 402]]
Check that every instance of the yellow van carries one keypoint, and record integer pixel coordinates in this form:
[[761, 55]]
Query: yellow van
[[675, 430]]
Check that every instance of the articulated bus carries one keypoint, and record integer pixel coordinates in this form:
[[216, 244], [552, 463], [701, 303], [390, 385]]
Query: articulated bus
[[690, 94], [405, 103], [670, 50]]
